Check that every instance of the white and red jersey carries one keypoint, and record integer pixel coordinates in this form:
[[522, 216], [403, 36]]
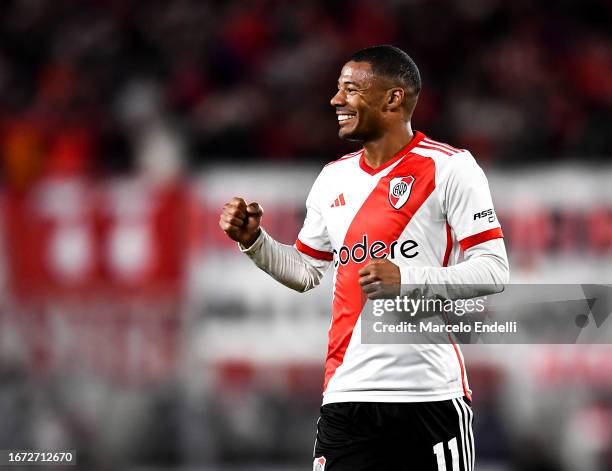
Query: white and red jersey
[[419, 209]]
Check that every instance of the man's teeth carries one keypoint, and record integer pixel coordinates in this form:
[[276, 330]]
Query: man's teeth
[[344, 117]]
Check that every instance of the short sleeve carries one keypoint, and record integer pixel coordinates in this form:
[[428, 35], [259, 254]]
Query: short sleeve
[[467, 202], [313, 239]]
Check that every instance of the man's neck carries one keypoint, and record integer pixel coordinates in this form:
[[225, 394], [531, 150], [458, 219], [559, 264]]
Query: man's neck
[[380, 151]]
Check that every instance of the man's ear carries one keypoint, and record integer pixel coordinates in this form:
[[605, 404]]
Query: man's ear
[[394, 98]]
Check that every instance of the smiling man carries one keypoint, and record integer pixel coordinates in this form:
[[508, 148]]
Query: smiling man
[[395, 213]]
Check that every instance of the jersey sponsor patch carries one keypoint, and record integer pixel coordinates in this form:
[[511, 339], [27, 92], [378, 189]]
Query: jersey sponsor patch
[[319, 464], [378, 249], [489, 214], [399, 190]]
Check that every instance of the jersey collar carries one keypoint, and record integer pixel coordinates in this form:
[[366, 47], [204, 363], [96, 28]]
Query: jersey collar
[[418, 136]]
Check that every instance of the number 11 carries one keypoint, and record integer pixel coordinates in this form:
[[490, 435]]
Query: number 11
[[438, 450]]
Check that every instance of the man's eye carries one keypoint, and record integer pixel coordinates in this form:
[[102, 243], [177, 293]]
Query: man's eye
[[351, 90]]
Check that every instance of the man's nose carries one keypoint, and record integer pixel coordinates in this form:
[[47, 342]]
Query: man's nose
[[338, 99]]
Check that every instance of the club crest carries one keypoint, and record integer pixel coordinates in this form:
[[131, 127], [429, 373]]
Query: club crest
[[319, 464], [399, 190]]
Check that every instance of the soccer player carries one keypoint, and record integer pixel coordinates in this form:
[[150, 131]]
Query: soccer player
[[412, 204]]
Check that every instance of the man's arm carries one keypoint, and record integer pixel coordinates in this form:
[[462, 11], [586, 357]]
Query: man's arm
[[484, 271], [286, 264]]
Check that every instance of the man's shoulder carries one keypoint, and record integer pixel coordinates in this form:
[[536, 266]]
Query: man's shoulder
[[429, 147], [335, 171], [341, 169], [448, 159], [347, 158]]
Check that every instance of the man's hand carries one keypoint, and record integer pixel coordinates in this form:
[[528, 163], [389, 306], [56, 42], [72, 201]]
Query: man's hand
[[380, 279], [241, 222]]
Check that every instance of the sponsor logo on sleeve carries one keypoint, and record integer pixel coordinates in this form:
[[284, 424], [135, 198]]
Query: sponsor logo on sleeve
[[487, 213]]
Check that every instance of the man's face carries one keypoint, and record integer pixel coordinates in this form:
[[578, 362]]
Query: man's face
[[359, 102]]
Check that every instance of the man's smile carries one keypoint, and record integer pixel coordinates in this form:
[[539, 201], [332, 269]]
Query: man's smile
[[345, 116]]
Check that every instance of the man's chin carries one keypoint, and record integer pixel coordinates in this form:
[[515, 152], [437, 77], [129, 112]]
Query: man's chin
[[349, 136]]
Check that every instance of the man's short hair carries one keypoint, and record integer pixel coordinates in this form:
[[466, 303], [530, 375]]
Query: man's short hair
[[391, 62]]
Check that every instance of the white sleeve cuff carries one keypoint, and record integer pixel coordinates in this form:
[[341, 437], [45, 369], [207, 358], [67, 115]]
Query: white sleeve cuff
[[256, 245], [405, 275], [409, 277]]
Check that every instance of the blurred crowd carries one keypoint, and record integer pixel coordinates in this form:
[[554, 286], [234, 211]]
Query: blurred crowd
[[113, 85]]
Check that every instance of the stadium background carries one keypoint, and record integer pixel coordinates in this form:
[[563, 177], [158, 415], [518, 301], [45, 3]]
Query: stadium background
[[133, 331]]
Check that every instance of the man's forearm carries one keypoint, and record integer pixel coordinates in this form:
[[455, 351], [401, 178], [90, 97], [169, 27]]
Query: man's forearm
[[285, 263], [485, 271]]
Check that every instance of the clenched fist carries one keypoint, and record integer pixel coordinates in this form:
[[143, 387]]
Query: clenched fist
[[380, 279], [241, 221]]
